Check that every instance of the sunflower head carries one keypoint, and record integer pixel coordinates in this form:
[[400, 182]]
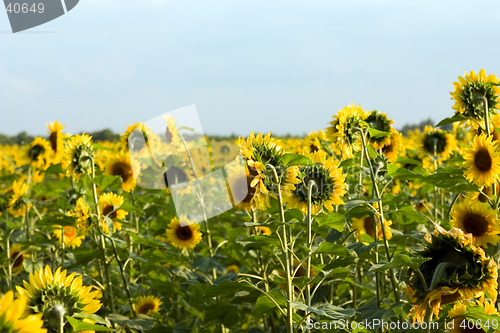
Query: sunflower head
[[366, 225], [478, 219], [147, 305], [120, 165], [381, 122], [109, 204], [53, 294], [468, 93], [263, 231], [437, 142], [482, 161], [134, 140], [457, 270], [69, 235], [186, 237], [81, 213], [56, 140], [171, 132], [328, 184], [18, 201], [345, 129], [11, 312], [17, 257], [394, 147], [80, 155], [39, 153]]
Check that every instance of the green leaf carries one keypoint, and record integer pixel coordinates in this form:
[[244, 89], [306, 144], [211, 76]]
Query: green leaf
[[264, 305], [372, 152], [105, 181], [451, 120], [94, 317], [61, 220], [399, 261], [140, 322], [225, 288], [98, 146], [294, 213], [374, 133], [401, 173], [335, 249], [333, 220], [406, 160], [295, 159], [79, 326], [55, 169]]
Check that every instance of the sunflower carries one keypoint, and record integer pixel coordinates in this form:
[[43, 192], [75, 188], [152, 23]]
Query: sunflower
[[457, 271], [39, 153], [49, 294], [344, 130], [436, 142], [459, 315], [232, 268], [263, 231], [81, 213], [482, 161], [381, 122], [70, 237], [329, 184], [131, 139], [395, 146], [366, 226], [17, 258], [259, 152], [171, 132], [183, 237], [469, 89], [147, 305], [56, 140], [17, 203], [119, 165], [11, 312], [79, 156], [241, 189], [477, 218], [313, 142], [108, 206]]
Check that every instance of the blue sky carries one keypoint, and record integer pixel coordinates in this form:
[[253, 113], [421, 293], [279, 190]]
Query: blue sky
[[281, 66]]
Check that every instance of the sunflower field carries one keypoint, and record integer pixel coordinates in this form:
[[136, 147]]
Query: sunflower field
[[353, 228]]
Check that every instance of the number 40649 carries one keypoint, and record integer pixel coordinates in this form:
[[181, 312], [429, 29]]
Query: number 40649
[[25, 8]]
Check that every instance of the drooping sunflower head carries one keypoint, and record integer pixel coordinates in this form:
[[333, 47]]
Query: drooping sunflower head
[[147, 305], [109, 204], [11, 312], [120, 165], [482, 161], [366, 225], [186, 237], [328, 184], [381, 122], [39, 153], [437, 142], [468, 93], [344, 130], [457, 271], [79, 156], [50, 294], [477, 218], [56, 140]]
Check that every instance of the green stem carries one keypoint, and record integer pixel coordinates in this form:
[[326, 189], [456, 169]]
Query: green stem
[[103, 244], [285, 248], [122, 273], [310, 186]]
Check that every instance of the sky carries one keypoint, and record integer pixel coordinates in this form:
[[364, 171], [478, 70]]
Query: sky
[[281, 66]]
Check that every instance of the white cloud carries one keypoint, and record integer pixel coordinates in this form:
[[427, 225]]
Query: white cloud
[[114, 68], [16, 87]]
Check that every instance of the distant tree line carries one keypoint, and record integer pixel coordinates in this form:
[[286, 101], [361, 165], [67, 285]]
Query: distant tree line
[[109, 135]]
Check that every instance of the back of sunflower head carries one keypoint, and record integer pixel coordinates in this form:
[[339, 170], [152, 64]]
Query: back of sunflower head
[[170, 152]]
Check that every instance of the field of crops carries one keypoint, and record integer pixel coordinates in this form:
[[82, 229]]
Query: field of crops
[[351, 226]]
